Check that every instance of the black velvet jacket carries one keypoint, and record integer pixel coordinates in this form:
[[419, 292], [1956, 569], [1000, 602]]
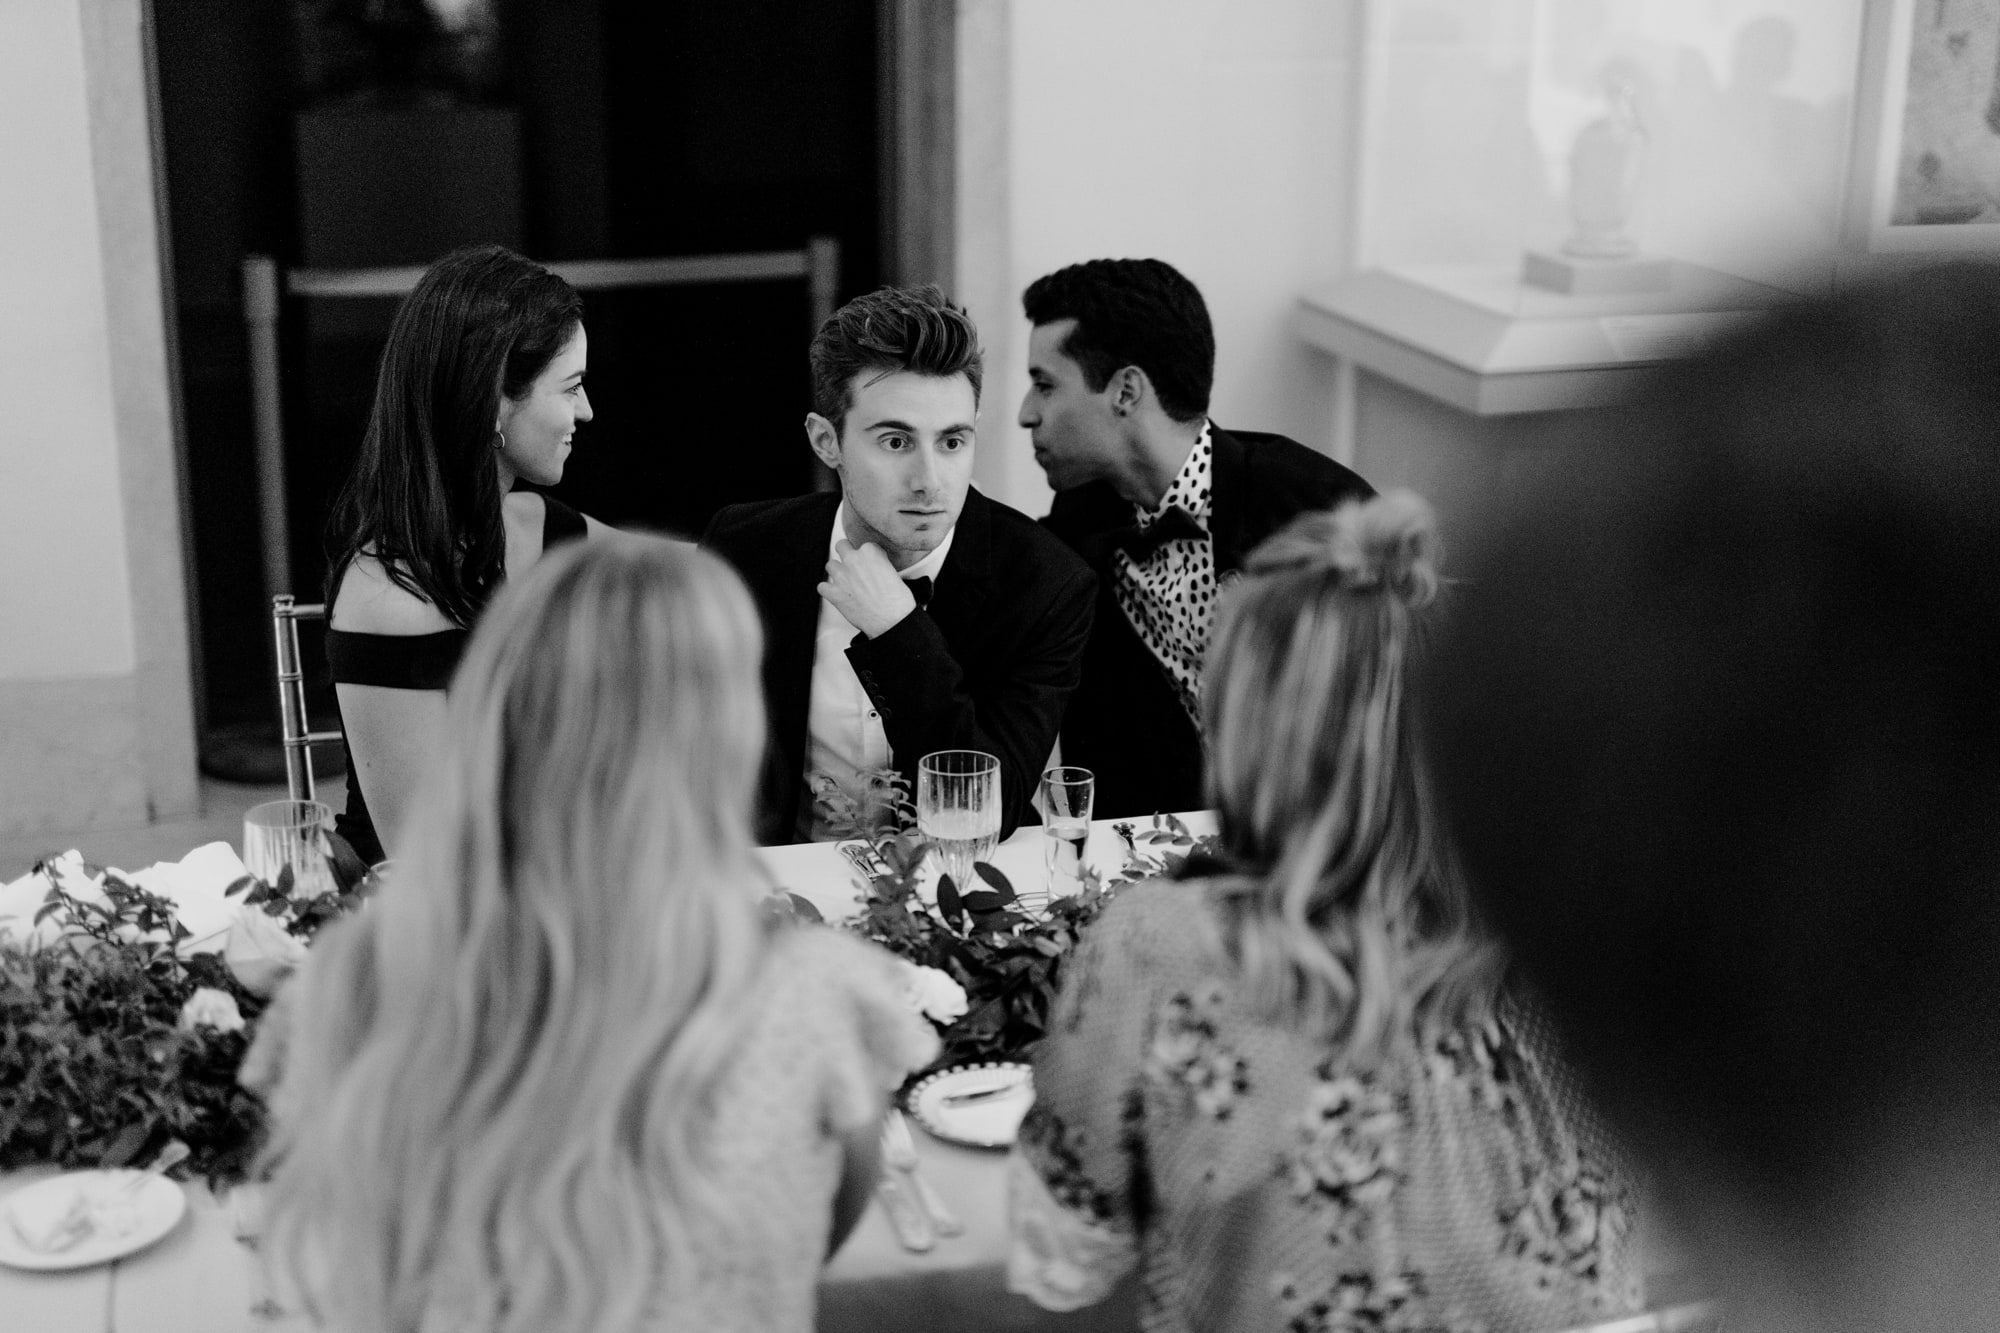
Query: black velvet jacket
[[1125, 722], [988, 665]]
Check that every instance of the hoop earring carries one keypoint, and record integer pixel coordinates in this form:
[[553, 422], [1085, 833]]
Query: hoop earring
[[499, 441]]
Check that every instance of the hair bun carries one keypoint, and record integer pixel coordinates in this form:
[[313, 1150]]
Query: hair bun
[[1388, 544]]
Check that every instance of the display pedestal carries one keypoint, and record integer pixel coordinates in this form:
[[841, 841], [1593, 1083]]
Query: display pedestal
[[1557, 272], [1489, 344]]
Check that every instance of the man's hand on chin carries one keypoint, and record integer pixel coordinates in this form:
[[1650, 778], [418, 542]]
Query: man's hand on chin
[[864, 587]]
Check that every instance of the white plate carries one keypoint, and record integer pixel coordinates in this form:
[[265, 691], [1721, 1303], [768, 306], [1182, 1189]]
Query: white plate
[[985, 1121], [144, 1215]]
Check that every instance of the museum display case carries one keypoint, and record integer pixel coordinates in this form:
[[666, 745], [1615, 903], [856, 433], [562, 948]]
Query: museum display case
[[1552, 192]]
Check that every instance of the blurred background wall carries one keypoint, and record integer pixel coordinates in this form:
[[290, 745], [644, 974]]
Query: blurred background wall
[[96, 707], [1213, 134], [334, 134], [980, 143]]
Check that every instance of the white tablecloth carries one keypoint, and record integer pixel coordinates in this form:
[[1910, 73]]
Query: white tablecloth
[[816, 872], [201, 1279]]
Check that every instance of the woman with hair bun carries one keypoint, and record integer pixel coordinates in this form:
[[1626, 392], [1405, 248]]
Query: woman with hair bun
[[561, 1073], [1288, 1086], [480, 386]]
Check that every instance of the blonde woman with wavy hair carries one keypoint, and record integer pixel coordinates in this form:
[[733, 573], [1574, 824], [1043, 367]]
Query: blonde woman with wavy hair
[[1287, 1085], [561, 1074]]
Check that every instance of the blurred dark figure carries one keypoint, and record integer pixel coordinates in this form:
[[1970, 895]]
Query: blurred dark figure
[[1718, 718]]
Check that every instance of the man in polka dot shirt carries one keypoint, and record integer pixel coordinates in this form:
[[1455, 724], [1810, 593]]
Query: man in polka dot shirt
[[1161, 502]]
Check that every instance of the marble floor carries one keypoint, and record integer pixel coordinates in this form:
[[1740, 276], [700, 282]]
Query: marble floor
[[136, 846]]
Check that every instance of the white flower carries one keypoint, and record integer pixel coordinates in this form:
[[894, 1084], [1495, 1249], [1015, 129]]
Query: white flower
[[260, 951], [933, 994], [211, 1008]]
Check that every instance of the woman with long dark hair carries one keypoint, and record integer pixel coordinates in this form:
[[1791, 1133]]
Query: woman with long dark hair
[[480, 386]]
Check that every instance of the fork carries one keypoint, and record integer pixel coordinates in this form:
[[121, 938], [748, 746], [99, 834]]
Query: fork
[[899, 1150], [170, 1156]]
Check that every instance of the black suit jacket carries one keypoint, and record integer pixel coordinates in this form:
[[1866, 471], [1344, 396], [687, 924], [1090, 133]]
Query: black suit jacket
[[988, 665], [1125, 722]]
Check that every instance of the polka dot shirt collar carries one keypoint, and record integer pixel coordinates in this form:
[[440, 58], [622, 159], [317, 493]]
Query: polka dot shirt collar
[[1169, 598], [1192, 488]]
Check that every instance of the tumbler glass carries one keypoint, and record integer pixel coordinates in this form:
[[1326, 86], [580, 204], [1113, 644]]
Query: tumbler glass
[[281, 835], [1067, 792], [958, 809]]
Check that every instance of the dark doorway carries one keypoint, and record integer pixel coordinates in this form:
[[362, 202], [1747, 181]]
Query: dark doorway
[[627, 128]]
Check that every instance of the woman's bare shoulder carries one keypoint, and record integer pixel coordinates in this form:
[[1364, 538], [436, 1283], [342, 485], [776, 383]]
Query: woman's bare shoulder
[[523, 508], [368, 601]]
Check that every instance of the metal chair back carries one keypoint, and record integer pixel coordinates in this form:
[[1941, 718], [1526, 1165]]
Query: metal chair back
[[286, 614]]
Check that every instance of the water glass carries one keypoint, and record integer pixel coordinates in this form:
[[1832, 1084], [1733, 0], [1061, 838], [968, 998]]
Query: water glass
[[958, 809], [282, 834], [1067, 792]]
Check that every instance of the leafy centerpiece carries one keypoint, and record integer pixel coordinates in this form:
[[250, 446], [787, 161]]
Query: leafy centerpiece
[[1002, 955], [116, 1036]]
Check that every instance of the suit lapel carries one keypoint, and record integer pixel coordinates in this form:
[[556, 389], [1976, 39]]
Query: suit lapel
[[966, 580], [1225, 505], [1090, 518], [797, 567]]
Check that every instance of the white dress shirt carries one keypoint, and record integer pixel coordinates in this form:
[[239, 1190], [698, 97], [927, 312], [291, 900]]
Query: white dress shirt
[[844, 733]]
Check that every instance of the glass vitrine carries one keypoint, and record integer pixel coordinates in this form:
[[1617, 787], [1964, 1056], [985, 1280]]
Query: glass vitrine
[[1550, 194], [1651, 154]]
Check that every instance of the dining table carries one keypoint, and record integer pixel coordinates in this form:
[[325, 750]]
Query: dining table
[[204, 1276]]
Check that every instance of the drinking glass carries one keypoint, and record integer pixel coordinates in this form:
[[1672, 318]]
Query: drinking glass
[[1066, 796], [958, 809], [278, 834]]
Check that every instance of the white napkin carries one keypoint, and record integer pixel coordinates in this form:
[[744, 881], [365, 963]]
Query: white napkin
[[195, 885], [18, 901]]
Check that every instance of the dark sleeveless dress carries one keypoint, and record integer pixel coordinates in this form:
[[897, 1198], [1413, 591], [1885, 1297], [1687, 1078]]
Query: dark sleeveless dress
[[410, 662]]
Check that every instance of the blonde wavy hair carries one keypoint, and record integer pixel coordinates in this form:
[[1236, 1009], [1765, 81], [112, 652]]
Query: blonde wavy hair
[[492, 1110], [1348, 915]]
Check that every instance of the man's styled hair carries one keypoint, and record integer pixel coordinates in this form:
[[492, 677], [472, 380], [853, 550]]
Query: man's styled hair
[[1132, 312], [892, 329]]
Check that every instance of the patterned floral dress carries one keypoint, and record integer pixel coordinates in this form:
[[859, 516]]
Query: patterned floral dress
[[1265, 1180]]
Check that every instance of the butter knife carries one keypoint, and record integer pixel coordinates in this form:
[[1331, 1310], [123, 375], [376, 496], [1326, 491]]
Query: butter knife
[[994, 1093], [906, 1216], [900, 1151]]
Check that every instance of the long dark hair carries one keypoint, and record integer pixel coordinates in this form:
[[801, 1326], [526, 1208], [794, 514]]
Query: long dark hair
[[424, 496]]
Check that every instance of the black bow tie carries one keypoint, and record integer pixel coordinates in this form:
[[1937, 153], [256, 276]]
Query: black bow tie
[[1177, 524], [920, 588]]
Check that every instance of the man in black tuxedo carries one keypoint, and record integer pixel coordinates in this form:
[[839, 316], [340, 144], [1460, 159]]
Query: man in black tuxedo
[[1159, 501], [909, 613]]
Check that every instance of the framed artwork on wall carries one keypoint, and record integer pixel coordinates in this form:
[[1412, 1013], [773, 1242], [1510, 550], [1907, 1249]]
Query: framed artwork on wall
[[1927, 164]]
